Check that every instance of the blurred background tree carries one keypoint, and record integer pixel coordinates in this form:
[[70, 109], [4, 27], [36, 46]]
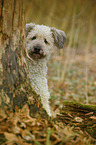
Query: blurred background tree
[[60, 14]]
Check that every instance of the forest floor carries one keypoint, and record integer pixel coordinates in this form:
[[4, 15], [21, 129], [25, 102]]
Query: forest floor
[[79, 82], [73, 104]]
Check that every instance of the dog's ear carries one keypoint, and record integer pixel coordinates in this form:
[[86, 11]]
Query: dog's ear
[[29, 27], [59, 37]]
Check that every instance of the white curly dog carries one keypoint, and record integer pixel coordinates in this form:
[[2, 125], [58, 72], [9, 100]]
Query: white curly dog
[[40, 42]]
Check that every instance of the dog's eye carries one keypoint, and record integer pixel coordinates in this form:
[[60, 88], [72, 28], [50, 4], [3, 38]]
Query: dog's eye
[[45, 41], [33, 38]]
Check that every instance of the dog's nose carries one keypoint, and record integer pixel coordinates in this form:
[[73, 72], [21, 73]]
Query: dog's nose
[[37, 49]]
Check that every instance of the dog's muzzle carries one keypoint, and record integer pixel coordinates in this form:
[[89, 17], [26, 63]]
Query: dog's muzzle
[[36, 53]]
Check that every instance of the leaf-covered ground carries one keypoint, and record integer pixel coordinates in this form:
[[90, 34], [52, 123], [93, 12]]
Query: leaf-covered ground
[[74, 124], [19, 128]]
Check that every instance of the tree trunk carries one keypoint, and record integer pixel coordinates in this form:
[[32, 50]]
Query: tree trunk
[[16, 90]]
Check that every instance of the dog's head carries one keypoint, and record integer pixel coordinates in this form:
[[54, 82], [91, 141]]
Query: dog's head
[[40, 40]]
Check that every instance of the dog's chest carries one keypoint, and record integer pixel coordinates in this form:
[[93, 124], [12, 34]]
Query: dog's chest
[[37, 69], [38, 72]]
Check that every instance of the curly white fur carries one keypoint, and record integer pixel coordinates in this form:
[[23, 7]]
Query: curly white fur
[[40, 42]]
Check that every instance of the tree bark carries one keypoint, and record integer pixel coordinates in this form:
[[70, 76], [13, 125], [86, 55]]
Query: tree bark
[[16, 89]]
